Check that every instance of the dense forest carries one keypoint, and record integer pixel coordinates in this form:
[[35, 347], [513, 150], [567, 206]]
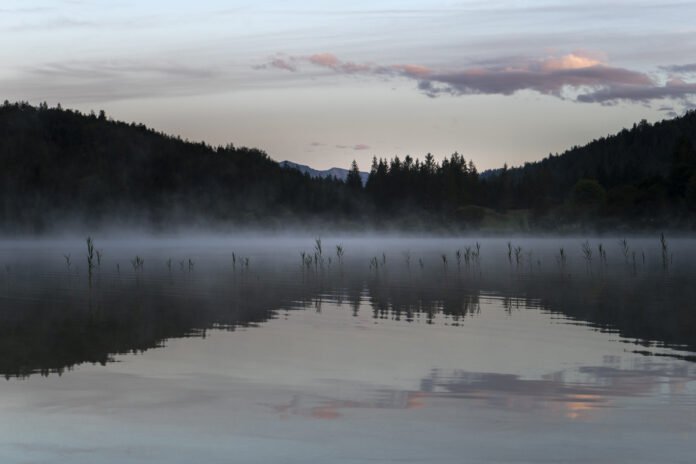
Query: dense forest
[[59, 167]]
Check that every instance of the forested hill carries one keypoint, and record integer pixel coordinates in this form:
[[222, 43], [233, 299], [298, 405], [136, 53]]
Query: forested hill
[[643, 176], [646, 150], [61, 166], [64, 166]]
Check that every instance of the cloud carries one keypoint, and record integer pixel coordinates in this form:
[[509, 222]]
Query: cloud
[[119, 69], [109, 80], [278, 63], [356, 147], [680, 68], [672, 89], [577, 76]]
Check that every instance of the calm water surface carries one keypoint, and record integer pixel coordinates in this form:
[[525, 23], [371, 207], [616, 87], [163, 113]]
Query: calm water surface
[[218, 361]]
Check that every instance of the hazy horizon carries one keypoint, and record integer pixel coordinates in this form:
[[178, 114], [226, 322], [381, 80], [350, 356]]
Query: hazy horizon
[[322, 84]]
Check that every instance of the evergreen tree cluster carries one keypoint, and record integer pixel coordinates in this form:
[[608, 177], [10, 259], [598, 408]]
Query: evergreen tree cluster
[[401, 187]]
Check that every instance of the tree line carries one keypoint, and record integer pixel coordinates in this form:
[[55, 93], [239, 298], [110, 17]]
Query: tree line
[[60, 165]]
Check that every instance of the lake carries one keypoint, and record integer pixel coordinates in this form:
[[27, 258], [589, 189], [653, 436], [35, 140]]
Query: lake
[[258, 349]]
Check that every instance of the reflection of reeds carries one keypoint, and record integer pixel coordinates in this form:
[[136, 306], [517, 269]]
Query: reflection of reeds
[[518, 255], [407, 258], [625, 250], [587, 253], [339, 253], [67, 261], [137, 263], [509, 254], [307, 260]]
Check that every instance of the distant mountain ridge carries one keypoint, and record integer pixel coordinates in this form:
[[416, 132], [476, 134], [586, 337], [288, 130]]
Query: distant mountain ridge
[[338, 173]]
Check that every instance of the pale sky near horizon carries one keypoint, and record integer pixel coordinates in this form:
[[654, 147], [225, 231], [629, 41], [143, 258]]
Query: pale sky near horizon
[[322, 83]]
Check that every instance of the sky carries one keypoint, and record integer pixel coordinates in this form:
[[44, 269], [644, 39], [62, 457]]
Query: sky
[[325, 82]]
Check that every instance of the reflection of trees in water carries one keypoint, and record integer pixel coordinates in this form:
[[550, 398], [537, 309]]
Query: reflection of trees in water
[[52, 322]]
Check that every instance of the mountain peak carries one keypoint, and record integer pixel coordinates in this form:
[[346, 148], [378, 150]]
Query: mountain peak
[[338, 173]]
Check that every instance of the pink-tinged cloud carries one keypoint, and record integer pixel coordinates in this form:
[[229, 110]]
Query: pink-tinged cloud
[[577, 76], [412, 70], [324, 59], [327, 60]]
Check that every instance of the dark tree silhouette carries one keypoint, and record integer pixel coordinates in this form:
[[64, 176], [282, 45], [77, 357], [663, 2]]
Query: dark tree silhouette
[[60, 164]]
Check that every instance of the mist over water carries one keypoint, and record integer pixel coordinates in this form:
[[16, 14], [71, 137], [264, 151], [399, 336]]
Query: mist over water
[[284, 348]]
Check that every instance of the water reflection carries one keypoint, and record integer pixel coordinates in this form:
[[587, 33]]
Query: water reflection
[[557, 394], [55, 319]]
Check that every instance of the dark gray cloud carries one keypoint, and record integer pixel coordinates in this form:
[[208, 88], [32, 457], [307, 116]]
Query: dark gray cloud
[[672, 89], [576, 76], [680, 68]]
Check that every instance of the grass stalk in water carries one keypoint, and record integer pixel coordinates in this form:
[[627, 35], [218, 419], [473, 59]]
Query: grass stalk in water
[[90, 255], [587, 254], [602, 254], [562, 259]]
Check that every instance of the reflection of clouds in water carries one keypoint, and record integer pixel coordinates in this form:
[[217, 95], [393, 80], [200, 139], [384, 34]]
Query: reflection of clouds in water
[[326, 408], [603, 386]]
